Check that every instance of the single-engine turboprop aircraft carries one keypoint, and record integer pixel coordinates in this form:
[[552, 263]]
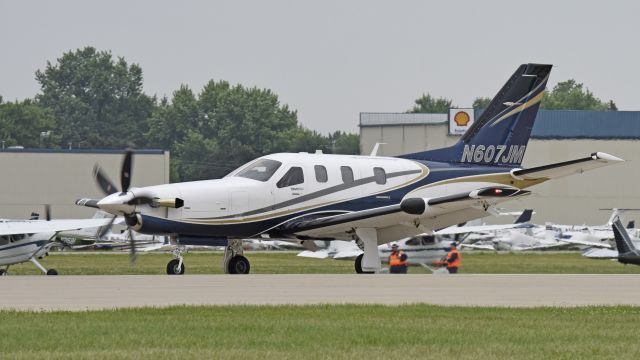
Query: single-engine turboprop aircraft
[[370, 199]]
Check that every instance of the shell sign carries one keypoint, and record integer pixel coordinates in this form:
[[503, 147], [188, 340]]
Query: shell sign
[[460, 120]]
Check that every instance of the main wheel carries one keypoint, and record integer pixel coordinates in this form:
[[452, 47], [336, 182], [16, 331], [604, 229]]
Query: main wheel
[[173, 269], [358, 265], [52, 272], [238, 265], [3, 272]]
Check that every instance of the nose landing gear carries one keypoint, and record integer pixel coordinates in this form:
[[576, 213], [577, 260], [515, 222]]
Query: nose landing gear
[[176, 266]]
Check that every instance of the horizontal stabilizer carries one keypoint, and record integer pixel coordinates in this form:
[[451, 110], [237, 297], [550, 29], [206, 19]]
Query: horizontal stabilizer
[[557, 170]]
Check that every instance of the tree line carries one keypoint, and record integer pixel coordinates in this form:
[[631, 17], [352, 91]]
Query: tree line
[[566, 95], [89, 99]]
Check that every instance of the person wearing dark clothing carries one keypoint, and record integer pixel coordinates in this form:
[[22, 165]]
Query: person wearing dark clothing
[[397, 261]]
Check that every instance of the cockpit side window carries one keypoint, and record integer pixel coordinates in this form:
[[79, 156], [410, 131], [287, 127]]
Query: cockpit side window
[[261, 170], [4, 240], [294, 176], [347, 174]]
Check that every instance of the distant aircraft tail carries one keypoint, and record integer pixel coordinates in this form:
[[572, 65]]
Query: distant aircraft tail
[[623, 241], [525, 217], [500, 135]]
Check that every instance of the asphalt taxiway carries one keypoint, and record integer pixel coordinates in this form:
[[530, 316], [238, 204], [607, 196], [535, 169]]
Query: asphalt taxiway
[[105, 292]]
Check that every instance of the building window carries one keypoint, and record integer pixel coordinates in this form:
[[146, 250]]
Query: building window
[[347, 174], [379, 175], [321, 174], [293, 177]]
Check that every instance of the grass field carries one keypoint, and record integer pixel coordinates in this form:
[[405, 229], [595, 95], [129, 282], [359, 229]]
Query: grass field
[[288, 262], [324, 332]]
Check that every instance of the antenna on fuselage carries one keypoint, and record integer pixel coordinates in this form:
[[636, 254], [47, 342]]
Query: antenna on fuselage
[[374, 151]]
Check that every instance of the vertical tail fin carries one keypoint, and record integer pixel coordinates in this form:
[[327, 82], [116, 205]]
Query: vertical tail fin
[[500, 135], [524, 217], [623, 241]]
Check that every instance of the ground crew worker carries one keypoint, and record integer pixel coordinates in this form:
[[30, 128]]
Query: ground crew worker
[[453, 259], [397, 261]]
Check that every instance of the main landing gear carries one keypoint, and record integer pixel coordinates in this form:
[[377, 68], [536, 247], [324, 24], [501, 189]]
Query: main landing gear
[[42, 268], [234, 261], [369, 261]]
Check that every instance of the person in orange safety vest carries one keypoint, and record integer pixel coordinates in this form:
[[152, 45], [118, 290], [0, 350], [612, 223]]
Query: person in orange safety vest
[[453, 259], [397, 261]]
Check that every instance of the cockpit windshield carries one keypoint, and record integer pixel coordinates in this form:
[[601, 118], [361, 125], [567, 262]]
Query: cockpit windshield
[[261, 169]]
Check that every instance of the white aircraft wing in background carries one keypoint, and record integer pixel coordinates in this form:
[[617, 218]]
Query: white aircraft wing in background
[[44, 226]]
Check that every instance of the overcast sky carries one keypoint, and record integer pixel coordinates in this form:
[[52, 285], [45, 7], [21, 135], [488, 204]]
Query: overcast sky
[[331, 60]]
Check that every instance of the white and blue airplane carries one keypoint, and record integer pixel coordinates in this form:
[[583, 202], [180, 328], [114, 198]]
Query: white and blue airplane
[[370, 199]]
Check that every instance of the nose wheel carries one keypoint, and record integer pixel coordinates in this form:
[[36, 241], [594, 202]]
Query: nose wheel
[[175, 267]]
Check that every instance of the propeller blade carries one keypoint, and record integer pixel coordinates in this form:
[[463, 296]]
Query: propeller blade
[[88, 203], [132, 242], [103, 181], [125, 174], [106, 228], [47, 212]]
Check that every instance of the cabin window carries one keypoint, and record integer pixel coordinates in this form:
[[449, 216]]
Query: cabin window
[[321, 173], [379, 175], [293, 177], [4, 240], [261, 169], [347, 174], [428, 240], [415, 241]]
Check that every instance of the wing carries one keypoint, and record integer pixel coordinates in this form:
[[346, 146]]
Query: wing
[[600, 254], [478, 247], [405, 212], [42, 226], [476, 229], [578, 166]]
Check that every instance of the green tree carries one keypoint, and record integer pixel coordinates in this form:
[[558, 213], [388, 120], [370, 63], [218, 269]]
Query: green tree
[[27, 124], [97, 100], [223, 127], [345, 143], [571, 95], [428, 104], [481, 102]]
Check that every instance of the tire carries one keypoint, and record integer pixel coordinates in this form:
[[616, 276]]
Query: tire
[[358, 265], [52, 272], [172, 267], [3, 272], [238, 265]]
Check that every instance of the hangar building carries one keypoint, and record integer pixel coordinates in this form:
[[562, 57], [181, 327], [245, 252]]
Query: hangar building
[[32, 178], [558, 135]]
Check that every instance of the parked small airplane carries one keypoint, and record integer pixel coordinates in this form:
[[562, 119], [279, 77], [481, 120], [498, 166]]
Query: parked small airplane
[[626, 251], [26, 240], [371, 199]]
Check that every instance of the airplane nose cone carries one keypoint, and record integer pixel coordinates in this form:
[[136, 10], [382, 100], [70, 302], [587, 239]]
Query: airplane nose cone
[[117, 204]]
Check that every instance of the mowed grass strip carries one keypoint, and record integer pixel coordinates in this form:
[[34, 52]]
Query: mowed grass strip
[[324, 332], [69, 263]]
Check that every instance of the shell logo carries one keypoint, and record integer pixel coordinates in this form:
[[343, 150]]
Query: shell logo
[[461, 118]]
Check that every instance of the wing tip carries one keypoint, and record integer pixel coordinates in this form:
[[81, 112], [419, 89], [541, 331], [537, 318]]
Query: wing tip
[[606, 157]]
